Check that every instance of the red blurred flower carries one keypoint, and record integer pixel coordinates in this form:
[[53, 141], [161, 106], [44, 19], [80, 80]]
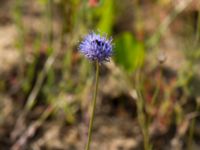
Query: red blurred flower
[[93, 3]]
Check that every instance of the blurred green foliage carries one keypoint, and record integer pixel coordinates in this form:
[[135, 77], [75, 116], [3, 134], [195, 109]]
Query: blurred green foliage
[[106, 12], [129, 53]]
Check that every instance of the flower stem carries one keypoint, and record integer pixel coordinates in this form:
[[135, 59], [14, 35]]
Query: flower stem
[[93, 107]]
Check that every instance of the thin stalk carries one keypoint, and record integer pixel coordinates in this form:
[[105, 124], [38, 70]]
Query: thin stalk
[[193, 123], [157, 90], [93, 107], [197, 30], [49, 13], [191, 131], [142, 118], [17, 16]]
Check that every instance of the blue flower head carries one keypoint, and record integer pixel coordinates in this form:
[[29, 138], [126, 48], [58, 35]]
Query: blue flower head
[[96, 47]]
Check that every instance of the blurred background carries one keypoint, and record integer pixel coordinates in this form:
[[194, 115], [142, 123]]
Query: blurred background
[[46, 85]]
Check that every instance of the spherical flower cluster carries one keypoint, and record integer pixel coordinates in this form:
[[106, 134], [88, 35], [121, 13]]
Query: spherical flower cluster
[[96, 47]]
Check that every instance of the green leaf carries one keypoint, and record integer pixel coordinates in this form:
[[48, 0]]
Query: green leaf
[[129, 53], [106, 18]]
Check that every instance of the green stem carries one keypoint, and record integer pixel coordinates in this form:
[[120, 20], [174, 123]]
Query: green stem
[[157, 90], [142, 117], [191, 131], [192, 126], [93, 107]]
